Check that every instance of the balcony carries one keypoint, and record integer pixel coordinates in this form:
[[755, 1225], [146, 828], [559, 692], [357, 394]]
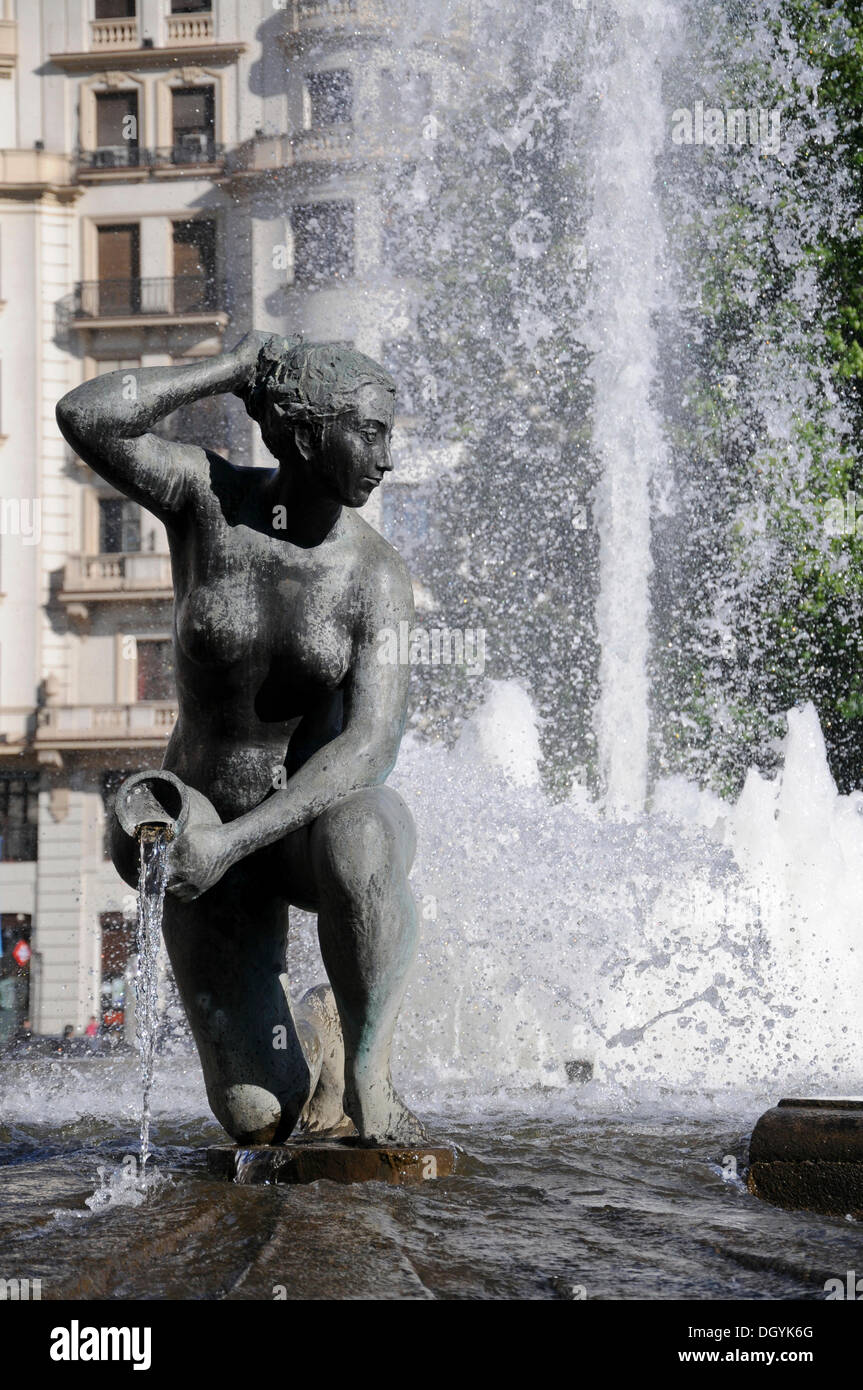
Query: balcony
[[139, 575], [8, 46], [189, 29], [339, 144], [105, 726], [328, 143], [16, 728], [189, 36], [110, 161], [313, 20], [113, 34], [185, 298], [36, 171], [314, 17]]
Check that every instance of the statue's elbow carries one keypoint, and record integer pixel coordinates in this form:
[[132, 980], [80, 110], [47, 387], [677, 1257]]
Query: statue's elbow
[[379, 759], [68, 415]]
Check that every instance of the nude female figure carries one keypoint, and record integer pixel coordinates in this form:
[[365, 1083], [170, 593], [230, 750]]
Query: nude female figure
[[288, 723]]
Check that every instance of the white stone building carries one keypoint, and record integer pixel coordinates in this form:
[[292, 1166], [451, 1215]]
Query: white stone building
[[172, 173]]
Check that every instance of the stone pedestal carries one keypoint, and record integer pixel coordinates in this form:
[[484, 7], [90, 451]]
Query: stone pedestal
[[808, 1155], [334, 1160]]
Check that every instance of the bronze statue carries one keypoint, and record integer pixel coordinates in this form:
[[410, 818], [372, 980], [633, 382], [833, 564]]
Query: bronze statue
[[288, 725]]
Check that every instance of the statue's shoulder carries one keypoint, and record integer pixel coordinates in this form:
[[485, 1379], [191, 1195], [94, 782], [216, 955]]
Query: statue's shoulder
[[376, 551], [383, 567]]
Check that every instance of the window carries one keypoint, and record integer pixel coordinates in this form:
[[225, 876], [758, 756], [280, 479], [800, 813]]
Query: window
[[111, 782], [406, 519], [155, 668], [115, 364], [119, 259], [118, 949], [323, 241], [119, 526], [406, 99], [14, 973], [19, 817], [115, 9], [202, 422], [193, 124], [329, 99], [190, 6], [400, 357], [116, 130], [194, 266]]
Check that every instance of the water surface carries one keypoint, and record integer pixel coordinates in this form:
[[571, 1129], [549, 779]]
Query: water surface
[[561, 1203]]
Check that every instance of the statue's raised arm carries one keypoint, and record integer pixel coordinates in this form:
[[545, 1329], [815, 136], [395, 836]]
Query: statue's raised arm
[[108, 422]]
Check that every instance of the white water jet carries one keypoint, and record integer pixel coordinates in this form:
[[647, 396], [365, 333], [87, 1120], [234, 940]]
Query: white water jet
[[625, 249]]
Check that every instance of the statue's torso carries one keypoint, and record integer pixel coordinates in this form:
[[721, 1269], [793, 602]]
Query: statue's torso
[[263, 636]]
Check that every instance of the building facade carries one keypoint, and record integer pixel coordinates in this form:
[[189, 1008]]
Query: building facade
[[172, 173]]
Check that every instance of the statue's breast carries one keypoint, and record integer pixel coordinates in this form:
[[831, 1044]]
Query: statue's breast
[[309, 632], [279, 633], [217, 624]]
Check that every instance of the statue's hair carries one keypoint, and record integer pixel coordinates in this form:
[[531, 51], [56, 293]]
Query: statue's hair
[[311, 383]]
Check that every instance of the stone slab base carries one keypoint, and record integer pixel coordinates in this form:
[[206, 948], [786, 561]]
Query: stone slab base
[[807, 1155], [334, 1160]]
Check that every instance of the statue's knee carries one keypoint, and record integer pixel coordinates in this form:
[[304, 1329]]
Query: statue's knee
[[250, 1114], [358, 839]]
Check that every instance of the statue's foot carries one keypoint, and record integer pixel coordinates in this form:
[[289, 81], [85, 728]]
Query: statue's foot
[[381, 1117], [323, 1114]]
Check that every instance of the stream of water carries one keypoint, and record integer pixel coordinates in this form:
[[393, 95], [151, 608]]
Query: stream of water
[[152, 876]]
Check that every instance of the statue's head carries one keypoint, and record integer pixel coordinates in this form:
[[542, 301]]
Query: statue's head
[[327, 409]]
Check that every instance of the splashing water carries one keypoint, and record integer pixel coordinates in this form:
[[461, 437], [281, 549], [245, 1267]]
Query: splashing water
[[152, 877], [705, 948]]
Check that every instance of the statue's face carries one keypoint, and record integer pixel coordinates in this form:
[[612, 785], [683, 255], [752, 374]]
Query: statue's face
[[355, 448]]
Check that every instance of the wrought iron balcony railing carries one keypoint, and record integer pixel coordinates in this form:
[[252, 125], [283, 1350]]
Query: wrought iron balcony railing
[[171, 296]]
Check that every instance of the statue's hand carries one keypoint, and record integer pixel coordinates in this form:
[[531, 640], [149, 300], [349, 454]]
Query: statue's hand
[[196, 860], [246, 355]]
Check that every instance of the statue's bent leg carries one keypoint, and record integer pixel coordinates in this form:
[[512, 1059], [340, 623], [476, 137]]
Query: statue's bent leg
[[227, 950], [361, 851]]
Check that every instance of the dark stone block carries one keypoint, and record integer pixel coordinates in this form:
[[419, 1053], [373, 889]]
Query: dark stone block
[[336, 1160], [807, 1154]]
